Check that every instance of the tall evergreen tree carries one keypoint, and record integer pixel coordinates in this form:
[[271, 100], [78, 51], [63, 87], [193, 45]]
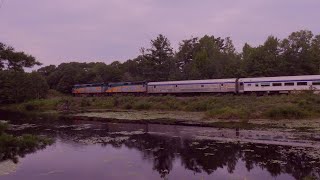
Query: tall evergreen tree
[[157, 60], [185, 56]]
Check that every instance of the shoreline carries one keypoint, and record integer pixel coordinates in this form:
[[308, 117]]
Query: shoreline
[[182, 118], [161, 117], [299, 112]]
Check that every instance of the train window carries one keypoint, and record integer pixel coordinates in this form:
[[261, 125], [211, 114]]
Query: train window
[[265, 84], [316, 83], [257, 85], [302, 83], [276, 84], [289, 84]]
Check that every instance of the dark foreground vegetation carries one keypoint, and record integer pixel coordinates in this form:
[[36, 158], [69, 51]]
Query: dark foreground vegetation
[[11, 147], [197, 58], [295, 106]]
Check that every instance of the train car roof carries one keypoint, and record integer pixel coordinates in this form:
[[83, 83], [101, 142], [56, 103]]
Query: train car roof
[[126, 83], [93, 84], [282, 78], [233, 80]]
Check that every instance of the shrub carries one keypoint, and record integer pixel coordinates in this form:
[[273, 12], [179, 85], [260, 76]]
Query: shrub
[[54, 94], [128, 106], [31, 107], [85, 102], [227, 113], [141, 105], [3, 127], [104, 103], [286, 112], [197, 106]]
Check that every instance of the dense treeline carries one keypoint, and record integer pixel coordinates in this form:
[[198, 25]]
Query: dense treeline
[[197, 58], [15, 84]]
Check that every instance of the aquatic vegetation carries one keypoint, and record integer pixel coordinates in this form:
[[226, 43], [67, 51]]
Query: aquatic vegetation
[[202, 151], [310, 178], [13, 146], [7, 167]]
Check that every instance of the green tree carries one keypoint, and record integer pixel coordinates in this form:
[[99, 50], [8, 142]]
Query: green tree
[[214, 58], [157, 62], [131, 70], [47, 70], [18, 86], [13, 60], [38, 86], [296, 54], [315, 53], [184, 58], [263, 60]]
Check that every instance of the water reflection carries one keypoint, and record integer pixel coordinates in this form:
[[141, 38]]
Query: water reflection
[[14, 153], [12, 148], [163, 145]]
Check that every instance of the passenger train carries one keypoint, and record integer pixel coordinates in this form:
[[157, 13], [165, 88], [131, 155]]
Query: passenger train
[[261, 85]]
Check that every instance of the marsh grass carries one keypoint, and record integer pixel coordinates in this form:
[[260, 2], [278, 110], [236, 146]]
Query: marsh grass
[[287, 112], [3, 127], [295, 106], [228, 113], [235, 125]]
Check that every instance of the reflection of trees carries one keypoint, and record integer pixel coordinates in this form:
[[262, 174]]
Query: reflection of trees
[[11, 148], [196, 155], [282, 159], [162, 151], [208, 156]]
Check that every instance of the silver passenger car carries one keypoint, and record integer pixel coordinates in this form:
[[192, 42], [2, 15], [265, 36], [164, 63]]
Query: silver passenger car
[[193, 86], [281, 84]]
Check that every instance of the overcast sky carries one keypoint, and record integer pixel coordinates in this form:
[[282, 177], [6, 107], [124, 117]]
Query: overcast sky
[[56, 31]]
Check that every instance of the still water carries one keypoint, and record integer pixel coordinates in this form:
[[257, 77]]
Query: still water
[[95, 150]]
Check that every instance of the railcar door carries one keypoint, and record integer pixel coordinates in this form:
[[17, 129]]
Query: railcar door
[[223, 87], [239, 86]]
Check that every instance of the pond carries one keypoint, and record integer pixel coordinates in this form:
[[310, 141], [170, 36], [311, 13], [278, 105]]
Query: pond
[[96, 150]]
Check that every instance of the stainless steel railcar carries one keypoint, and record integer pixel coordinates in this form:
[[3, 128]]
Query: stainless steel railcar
[[261, 85], [282, 84], [193, 86]]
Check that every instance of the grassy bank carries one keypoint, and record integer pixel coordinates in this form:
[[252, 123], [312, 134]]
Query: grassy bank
[[298, 106]]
